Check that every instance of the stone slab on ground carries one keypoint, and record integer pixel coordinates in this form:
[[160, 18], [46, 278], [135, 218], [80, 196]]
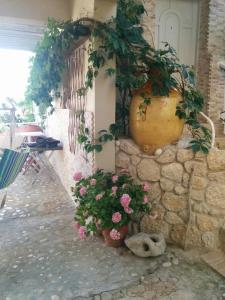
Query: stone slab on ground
[[216, 260]]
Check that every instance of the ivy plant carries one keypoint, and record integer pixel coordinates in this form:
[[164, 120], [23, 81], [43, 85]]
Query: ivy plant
[[137, 62]]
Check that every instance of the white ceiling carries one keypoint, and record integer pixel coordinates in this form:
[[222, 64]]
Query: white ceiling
[[20, 34]]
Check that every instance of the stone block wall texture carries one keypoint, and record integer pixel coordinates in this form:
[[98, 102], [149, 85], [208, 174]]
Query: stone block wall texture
[[216, 48], [187, 193], [203, 58]]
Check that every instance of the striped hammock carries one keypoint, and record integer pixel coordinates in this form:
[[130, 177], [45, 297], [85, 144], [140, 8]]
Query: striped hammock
[[11, 165]]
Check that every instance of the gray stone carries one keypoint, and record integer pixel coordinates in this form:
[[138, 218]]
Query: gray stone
[[189, 166], [167, 264], [173, 172], [173, 219], [55, 297], [182, 295], [198, 183], [215, 194], [122, 160], [155, 191], [175, 261], [158, 152], [216, 160], [106, 296], [209, 240], [166, 184], [174, 202], [146, 245], [149, 170], [180, 190], [128, 146], [166, 157], [184, 155], [135, 160], [198, 195], [136, 290]]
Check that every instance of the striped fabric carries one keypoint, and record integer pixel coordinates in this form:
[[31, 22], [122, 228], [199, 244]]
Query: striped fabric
[[11, 165]]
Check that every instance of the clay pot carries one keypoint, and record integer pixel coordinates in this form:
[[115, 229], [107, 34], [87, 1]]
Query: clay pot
[[115, 243], [159, 125]]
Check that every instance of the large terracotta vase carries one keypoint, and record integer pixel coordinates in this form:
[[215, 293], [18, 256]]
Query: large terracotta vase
[[115, 243], [159, 125]]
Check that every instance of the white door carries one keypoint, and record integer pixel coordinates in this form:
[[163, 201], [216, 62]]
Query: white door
[[177, 23]]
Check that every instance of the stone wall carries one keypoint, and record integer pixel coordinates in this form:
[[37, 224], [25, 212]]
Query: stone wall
[[203, 58], [216, 49], [187, 192], [64, 162]]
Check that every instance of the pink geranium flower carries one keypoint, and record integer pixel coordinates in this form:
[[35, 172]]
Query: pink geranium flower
[[114, 189], [82, 232], [77, 176], [115, 178], [114, 234], [145, 200], [146, 187], [93, 182], [99, 197], [125, 200], [83, 190], [128, 210], [116, 217]]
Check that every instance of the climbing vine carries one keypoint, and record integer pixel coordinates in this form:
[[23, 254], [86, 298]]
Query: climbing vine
[[137, 62]]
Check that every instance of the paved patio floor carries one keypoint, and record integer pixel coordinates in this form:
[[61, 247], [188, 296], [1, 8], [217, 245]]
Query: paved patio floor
[[42, 258]]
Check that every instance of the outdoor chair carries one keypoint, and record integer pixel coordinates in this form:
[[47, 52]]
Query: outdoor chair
[[11, 164]]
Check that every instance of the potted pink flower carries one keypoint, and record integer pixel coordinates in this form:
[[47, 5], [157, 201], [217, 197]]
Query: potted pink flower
[[107, 202]]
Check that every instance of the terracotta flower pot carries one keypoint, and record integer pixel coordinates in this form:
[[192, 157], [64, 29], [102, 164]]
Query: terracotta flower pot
[[159, 126], [115, 243]]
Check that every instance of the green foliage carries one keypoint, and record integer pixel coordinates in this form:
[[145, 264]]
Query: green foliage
[[137, 63], [98, 197], [26, 108], [49, 61], [86, 140]]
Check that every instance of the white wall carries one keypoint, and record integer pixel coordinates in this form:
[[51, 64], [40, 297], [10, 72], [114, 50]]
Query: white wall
[[64, 162], [38, 10], [82, 8]]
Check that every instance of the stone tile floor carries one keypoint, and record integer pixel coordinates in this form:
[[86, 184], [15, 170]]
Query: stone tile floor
[[41, 257]]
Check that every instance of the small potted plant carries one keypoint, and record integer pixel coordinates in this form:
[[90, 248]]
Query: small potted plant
[[107, 202]]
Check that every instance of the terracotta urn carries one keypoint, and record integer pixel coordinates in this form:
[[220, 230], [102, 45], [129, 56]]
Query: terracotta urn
[[115, 243], [158, 125]]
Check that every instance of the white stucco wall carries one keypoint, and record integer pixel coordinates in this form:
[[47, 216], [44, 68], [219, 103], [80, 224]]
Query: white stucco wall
[[64, 162], [82, 8], [35, 10]]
